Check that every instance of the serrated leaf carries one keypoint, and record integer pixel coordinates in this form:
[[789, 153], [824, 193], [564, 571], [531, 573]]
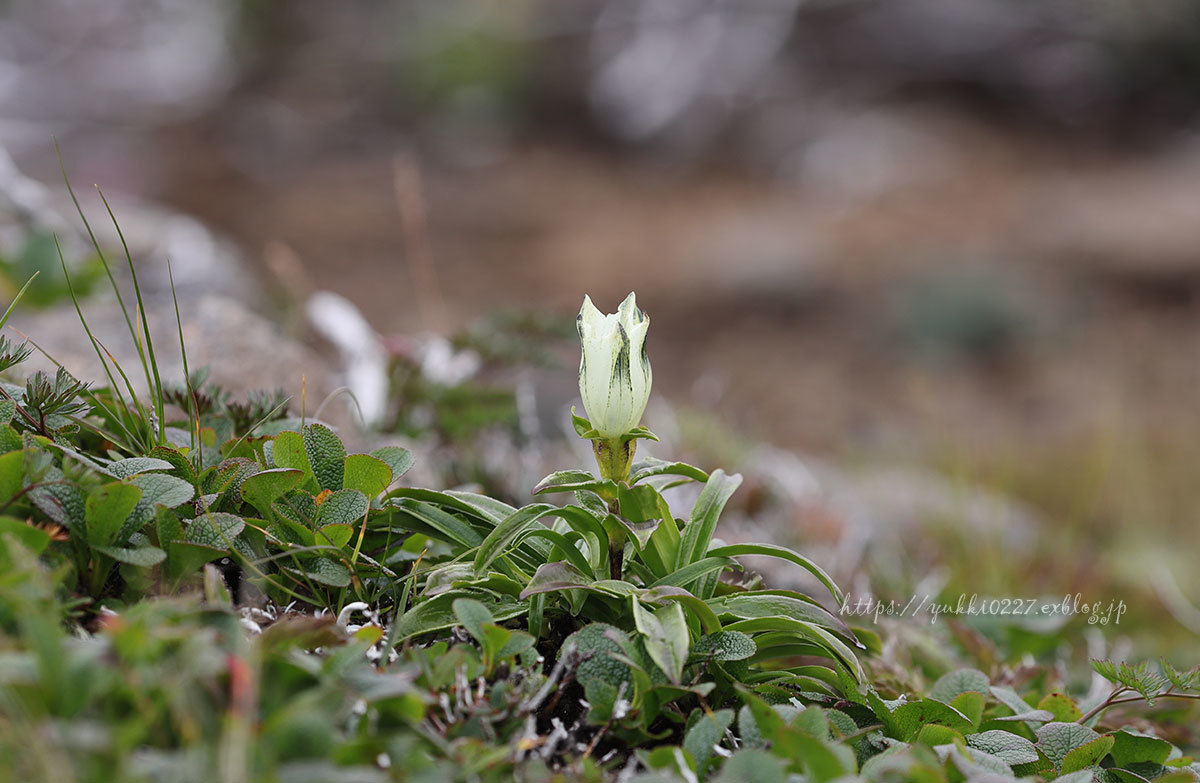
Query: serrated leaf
[[724, 646], [64, 503], [367, 474], [168, 526], [326, 454], [1022, 711], [1079, 776], [1182, 681], [977, 764], [933, 735], [950, 685], [298, 507], [1004, 745], [180, 464], [124, 468], [1139, 677]]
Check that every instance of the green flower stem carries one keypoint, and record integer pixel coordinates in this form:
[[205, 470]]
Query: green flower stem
[[614, 456], [616, 543]]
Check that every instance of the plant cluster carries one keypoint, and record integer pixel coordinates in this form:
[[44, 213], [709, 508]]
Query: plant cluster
[[614, 636]]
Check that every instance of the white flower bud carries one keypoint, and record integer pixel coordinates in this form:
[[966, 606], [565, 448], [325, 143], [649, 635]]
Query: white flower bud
[[614, 370]]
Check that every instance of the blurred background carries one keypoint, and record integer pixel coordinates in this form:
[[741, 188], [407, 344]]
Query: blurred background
[[928, 269]]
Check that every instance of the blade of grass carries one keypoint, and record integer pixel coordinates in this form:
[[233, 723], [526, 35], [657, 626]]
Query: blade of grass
[[96, 346], [193, 416], [137, 292], [17, 298], [95, 244]]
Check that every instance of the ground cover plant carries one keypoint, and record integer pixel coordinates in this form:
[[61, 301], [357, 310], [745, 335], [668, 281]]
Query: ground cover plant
[[192, 586]]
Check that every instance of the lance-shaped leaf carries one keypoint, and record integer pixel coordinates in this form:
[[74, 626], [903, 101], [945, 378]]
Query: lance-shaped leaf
[[666, 636], [651, 467], [501, 539], [701, 526], [573, 481], [782, 553]]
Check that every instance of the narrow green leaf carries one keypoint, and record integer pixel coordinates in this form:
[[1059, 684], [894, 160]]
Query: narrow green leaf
[[438, 613], [783, 553], [650, 467], [666, 637], [685, 576], [442, 524], [573, 481], [698, 532], [552, 577]]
